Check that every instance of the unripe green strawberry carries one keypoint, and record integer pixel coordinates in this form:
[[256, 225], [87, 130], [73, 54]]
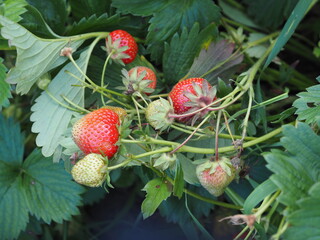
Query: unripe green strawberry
[[157, 114], [90, 171], [216, 176]]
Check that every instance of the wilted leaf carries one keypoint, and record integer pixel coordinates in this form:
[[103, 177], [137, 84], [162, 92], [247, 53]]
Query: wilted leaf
[[157, 191], [180, 53], [215, 62], [36, 56]]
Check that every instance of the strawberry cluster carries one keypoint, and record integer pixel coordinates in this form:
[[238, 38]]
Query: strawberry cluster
[[189, 101]]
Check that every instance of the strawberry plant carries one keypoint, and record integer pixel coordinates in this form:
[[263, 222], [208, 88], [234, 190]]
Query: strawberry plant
[[123, 118]]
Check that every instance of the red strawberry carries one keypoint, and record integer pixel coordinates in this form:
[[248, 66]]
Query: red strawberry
[[139, 79], [216, 176], [97, 132], [190, 95], [123, 45]]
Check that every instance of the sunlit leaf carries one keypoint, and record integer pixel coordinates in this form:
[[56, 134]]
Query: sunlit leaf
[[157, 191], [36, 56], [13, 9], [51, 119]]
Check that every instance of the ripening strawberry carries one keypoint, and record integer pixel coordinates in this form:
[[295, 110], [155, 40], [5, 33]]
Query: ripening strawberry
[[216, 176], [190, 95], [97, 132], [90, 171], [123, 46], [139, 79]]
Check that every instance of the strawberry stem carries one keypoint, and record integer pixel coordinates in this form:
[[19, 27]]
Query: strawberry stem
[[217, 137], [191, 135], [103, 73]]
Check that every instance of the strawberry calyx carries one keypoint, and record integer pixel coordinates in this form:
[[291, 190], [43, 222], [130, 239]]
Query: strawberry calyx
[[200, 100], [116, 51], [134, 82], [158, 114], [164, 161]]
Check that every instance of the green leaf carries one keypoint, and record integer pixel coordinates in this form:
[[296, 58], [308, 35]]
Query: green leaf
[[296, 169], [35, 23], [175, 211], [4, 86], [51, 119], [86, 8], [182, 14], [36, 56], [140, 7], [13, 206], [50, 191], [55, 13], [304, 223], [296, 16], [307, 105], [180, 53], [258, 194], [11, 142], [94, 24], [157, 191], [178, 186], [274, 12], [189, 169], [13, 9], [205, 233], [237, 15], [215, 62]]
